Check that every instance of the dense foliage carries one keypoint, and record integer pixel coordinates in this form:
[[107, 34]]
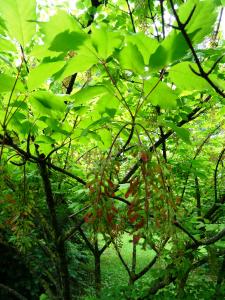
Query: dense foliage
[[112, 124]]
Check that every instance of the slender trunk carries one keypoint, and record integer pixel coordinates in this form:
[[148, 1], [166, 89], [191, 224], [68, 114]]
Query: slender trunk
[[133, 266], [131, 281], [59, 244], [97, 256], [97, 274], [64, 270]]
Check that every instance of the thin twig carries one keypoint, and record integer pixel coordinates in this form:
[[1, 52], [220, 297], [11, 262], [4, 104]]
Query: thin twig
[[131, 16], [153, 20], [162, 16], [218, 25]]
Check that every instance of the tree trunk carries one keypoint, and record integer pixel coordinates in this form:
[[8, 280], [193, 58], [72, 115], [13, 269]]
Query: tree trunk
[[59, 244], [133, 266], [97, 273]]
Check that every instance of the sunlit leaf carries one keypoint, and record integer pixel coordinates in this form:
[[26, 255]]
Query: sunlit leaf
[[86, 54], [106, 139], [89, 93], [131, 59], [171, 49], [7, 45], [47, 103], [159, 93], [145, 45], [66, 41], [41, 73], [183, 77], [19, 17], [7, 83], [105, 41], [59, 23]]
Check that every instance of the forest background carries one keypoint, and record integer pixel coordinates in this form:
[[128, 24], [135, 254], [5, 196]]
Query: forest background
[[112, 149]]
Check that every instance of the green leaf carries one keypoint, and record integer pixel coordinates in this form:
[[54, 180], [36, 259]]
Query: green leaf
[[53, 124], [7, 82], [58, 24], [100, 122], [18, 17], [131, 59], [16, 123], [45, 143], [203, 18], [100, 98], [174, 47], [220, 82], [105, 41], [41, 73], [146, 45], [86, 55], [2, 26], [7, 45], [158, 59], [184, 79], [43, 297], [106, 139], [108, 104], [40, 52], [89, 93], [66, 41], [47, 103], [171, 49], [183, 133], [159, 93]]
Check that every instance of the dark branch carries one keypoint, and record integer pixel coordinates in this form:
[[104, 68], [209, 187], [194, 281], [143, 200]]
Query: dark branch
[[13, 292], [78, 179], [201, 73], [178, 225], [71, 84], [131, 16], [162, 16], [85, 238]]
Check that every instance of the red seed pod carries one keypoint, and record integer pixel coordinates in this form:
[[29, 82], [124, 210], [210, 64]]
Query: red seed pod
[[133, 217], [114, 209], [99, 213], [144, 156], [109, 218], [111, 185], [140, 224], [128, 193], [87, 217], [136, 239]]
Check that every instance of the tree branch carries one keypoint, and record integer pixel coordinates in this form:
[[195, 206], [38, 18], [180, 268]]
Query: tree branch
[[13, 292], [85, 238], [201, 73]]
